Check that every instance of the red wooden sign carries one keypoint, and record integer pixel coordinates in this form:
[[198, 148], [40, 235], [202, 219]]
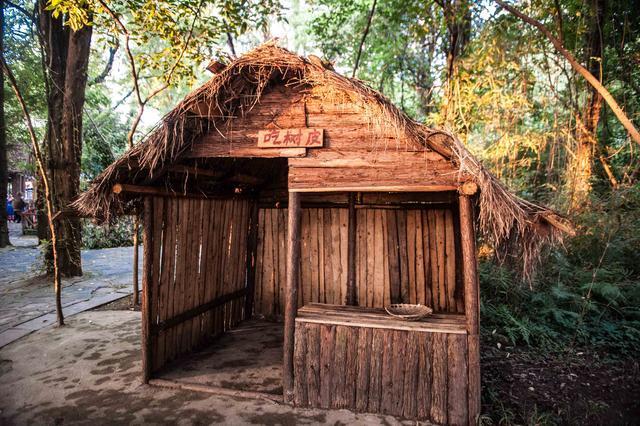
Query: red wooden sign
[[290, 138]]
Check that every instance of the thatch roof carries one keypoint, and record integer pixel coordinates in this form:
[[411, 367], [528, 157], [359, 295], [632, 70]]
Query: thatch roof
[[514, 226]]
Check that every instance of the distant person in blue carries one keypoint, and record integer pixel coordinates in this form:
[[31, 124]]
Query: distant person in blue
[[18, 207], [10, 208]]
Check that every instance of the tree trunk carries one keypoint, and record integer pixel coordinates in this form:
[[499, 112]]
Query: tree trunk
[[586, 136], [457, 16], [4, 177], [67, 60]]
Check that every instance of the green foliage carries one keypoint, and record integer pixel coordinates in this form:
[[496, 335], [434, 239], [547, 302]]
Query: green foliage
[[118, 234], [586, 295]]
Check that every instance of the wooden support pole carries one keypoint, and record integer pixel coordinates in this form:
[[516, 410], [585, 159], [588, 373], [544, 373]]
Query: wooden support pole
[[352, 297], [146, 289], [471, 302], [291, 294]]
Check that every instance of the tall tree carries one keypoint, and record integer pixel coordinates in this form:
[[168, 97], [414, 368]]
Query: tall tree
[[4, 177], [580, 173], [66, 57]]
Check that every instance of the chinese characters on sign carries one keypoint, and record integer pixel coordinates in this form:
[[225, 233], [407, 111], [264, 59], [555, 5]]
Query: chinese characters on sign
[[290, 138]]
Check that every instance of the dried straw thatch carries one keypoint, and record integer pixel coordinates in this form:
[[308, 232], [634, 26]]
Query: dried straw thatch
[[513, 225]]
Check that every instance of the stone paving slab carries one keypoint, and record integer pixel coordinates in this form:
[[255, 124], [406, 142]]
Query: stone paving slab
[[27, 301]]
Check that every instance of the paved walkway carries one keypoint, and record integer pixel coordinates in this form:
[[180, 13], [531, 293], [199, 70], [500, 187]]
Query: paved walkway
[[27, 300]]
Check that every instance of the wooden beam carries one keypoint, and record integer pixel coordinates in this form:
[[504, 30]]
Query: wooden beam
[[217, 390], [382, 188], [468, 188], [222, 150], [120, 188], [352, 298], [291, 294], [146, 289], [198, 310]]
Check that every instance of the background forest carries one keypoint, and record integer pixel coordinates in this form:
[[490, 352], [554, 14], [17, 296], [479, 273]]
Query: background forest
[[470, 67]]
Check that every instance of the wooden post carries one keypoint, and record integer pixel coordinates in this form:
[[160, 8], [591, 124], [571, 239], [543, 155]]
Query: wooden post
[[291, 294], [351, 253], [471, 302], [251, 261], [146, 289]]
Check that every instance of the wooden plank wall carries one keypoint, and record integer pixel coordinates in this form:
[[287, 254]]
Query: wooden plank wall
[[198, 260], [408, 256], [403, 255], [323, 268], [416, 375]]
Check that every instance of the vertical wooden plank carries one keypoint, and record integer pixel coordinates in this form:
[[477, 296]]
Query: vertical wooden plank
[[170, 346], [393, 256], [364, 354], [442, 289], [313, 364], [410, 234], [327, 254], [305, 259], [335, 256], [375, 381], [450, 256], [166, 273], [469, 266], [251, 257], [473, 388], [370, 254], [424, 376], [411, 370], [352, 255], [388, 391], [322, 291], [259, 303], [386, 299], [403, 258], [291, 305], [299, 364], [433, 260], [338, 378], [343, 218], [457, 404], [426, 253], [147, 295], [268, 276], [158, 205], [196, 285], [379, 261], [361, 252], [439, 378], [351, 367], [459, 293], [315, 260], [399, 361], [327, 339]]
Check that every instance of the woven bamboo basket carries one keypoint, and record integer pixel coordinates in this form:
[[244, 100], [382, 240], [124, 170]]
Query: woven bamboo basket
[[408, 312]]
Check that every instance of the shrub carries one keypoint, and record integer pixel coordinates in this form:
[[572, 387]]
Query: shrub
[[119, 234]]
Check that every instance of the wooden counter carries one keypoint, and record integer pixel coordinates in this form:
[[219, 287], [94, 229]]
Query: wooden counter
[[378, 318], [365, 360]]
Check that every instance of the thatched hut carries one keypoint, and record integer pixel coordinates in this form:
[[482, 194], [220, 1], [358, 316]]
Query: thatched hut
[[282, 190]]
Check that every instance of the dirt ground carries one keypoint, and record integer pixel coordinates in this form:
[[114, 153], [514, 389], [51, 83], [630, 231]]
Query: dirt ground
[[576, 387], [89, 373]]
